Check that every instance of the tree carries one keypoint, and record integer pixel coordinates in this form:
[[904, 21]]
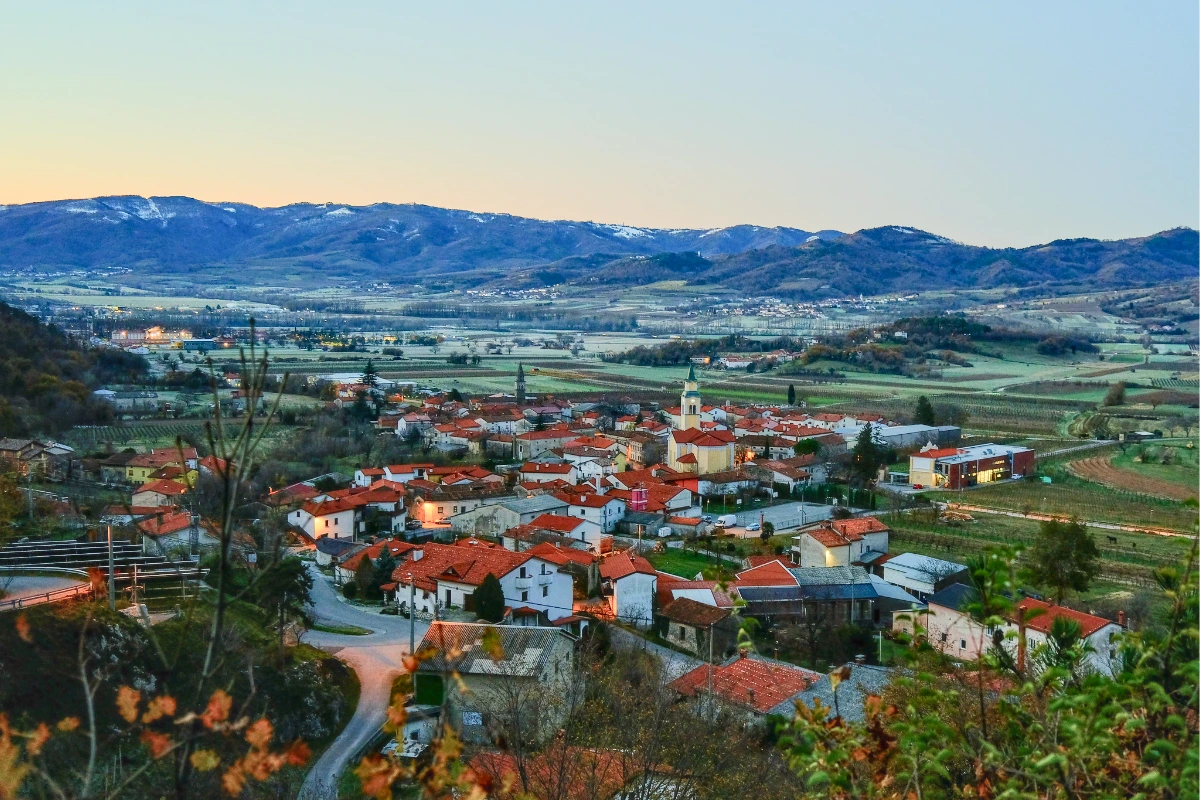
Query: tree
[[806, 447], [384, 566], [489, 599], [364, 576], [1064, 557], [1115, 396], [867, 455], [283, 590], [791, 394], [924, 413], [370, 378], [768, 530]]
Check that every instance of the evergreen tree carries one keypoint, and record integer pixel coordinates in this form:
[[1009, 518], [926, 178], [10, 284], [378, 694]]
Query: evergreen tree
[[1064, 557], [489, 599], [283, 590], [370, 378], [384, 566], [364, 576], [924, 413], [791, 394], [867, 455]]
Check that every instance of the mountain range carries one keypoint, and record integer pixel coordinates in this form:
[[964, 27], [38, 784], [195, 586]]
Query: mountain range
[[180, 241]]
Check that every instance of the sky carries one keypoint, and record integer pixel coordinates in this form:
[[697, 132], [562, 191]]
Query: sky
[[994, 124]]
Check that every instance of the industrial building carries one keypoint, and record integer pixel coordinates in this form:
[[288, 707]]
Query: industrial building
[[961, 467]]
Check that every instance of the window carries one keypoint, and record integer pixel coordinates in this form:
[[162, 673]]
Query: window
[[524, 596], [523, 573], [545, 591], [945, 636], [962, 644]]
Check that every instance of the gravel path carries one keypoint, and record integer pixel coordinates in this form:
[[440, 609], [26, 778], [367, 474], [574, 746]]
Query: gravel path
[[376, 658]]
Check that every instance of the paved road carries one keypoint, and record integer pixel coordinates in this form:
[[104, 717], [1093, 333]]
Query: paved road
[[784, 517], [25, 586], [376, 658], [674, 664]]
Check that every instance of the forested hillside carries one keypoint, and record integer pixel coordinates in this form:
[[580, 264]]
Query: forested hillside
[[47, 378]]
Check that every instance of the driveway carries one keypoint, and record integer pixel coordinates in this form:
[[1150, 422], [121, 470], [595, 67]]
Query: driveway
[[674, 663], [375, 658]]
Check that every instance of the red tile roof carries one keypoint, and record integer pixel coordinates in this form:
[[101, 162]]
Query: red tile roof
[[748, 682], [559, 523], [622, 565], [561, 555], [701, 438], [1088, 623], [396, 547], [170, 523], [773, 573], [164, 487], [857, 526], [944, 452]]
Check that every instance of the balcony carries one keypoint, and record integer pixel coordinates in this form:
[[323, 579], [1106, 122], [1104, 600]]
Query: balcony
[[524, 583], [545, 579]]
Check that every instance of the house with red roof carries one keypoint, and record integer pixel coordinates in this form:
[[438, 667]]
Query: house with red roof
[[748, 684], [700, 451], [549, 526], [158, 493], [336, 518], [949, 627], [538, 472], [601, 509], [840, 542], [448, 576], [629, 583]]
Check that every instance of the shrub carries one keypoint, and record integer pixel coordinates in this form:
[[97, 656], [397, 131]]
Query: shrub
[[350, 590]]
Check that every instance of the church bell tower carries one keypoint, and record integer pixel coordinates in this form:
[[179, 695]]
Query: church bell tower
[[689, 403]]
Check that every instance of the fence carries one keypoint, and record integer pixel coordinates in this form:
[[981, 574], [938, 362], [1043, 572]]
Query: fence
[[53, 596]]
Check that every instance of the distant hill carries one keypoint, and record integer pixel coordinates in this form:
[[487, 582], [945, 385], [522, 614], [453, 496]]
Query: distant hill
[[895, 259], [185, 242]]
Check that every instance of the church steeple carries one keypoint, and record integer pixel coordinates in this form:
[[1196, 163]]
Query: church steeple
[[689, 402], [520, 384]]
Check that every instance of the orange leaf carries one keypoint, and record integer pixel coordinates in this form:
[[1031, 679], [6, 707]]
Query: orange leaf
[[259, 734], [40, 735], [490, 644], [205, 760], [23, 629], [68, 724], [376, 775], [233, 780], [396, 715], [410, 663], [162, 706], [218, 709], [159, 743], [127, 703], [298, 753]]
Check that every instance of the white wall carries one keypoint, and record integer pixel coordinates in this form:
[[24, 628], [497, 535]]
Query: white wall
[[633, 599]]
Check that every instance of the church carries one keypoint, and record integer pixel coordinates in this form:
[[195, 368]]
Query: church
[[690, 449]]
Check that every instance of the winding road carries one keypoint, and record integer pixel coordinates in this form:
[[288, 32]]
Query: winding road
[[376, 658]]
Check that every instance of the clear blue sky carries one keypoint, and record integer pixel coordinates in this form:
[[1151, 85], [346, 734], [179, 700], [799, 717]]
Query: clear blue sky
[[1000, 124]]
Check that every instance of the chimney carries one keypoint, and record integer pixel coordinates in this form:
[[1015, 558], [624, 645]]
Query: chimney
[[1121, 618], [860, 660], [418, 554], [742, 653]]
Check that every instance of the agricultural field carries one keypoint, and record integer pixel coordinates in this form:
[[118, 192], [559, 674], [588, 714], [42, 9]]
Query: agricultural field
[[1127, 558], [1163, 471]]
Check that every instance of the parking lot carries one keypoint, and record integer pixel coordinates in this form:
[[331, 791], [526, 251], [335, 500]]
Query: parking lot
[[785, 517]]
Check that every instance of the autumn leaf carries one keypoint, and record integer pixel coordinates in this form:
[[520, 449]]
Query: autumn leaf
[[259, 734], [127, 703], [234, 780], [205, 760], [376, 775], [396, 715], [162, 706], [39, 737], [12, 771], [490, 642], [159, 743], [218, 709], [68, 724], [23, 629], [297, 754]]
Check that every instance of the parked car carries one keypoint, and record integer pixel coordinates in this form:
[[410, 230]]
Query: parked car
[[753, 526]]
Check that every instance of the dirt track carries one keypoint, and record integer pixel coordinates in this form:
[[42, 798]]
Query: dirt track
[[1100, 469]]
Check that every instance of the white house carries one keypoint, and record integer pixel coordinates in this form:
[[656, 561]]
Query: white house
[[629, 583], [334, 518], [603, 510], [839, 542], [448, 575]]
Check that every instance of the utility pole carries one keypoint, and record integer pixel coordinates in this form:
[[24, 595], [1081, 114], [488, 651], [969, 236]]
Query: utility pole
[[112, 587], [412, 615]]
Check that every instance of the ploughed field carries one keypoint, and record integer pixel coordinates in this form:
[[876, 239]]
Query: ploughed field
[[1100, 469]]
